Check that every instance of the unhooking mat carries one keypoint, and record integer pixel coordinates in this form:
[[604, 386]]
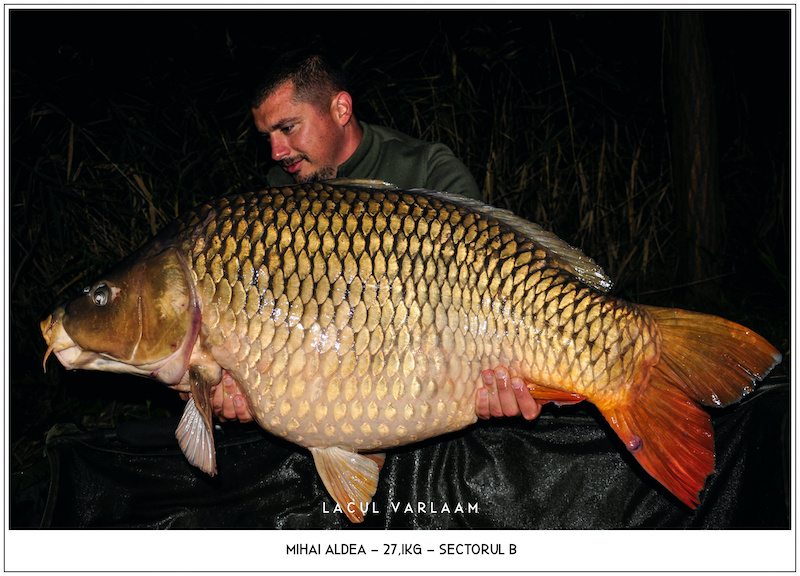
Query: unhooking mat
[[564, 470]]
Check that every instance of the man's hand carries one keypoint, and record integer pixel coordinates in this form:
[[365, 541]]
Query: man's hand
[[504, 396], [227, 400]]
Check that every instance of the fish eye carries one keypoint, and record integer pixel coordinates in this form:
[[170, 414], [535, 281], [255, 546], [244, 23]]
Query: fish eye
[[100, 295]]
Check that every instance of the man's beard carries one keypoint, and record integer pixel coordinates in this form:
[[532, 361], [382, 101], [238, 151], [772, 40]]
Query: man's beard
[[324, 173]]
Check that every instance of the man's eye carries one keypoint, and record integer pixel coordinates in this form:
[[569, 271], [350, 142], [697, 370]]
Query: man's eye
[[287, 129]]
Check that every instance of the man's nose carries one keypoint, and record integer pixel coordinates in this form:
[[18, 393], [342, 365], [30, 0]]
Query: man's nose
[[279, 148]]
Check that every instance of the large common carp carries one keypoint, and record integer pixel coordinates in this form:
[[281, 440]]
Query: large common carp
[[357, 318]]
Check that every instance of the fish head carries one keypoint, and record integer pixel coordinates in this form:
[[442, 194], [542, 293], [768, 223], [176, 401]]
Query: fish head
[[142, 318]]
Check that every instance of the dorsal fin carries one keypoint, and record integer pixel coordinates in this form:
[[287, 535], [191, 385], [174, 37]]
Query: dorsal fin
[[568, 257], [364, 183]]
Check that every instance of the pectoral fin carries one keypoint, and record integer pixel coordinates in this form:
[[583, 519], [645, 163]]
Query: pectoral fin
[[350, 478], [195, 432]]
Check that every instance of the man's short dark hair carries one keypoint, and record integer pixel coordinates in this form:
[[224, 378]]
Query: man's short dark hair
[[315, 76]]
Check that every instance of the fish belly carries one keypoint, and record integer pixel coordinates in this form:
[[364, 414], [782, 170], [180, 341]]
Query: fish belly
[[366, 402]]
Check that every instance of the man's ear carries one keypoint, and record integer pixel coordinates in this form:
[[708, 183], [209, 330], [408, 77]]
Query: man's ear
[[342, 108]]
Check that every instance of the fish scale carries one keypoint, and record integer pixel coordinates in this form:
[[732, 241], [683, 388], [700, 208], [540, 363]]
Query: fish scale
[[357, 317], [288, 355]]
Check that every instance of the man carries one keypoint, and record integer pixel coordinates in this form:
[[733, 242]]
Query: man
[[305, 110], [303, 106]]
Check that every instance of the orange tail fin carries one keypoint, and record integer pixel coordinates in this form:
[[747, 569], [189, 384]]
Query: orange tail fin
[[704, 359]]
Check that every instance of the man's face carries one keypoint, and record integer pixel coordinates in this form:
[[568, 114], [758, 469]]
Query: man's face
[[305, 140]]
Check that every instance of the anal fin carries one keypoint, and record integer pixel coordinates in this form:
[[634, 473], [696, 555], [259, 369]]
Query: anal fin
[[544, 394], [350, 478]]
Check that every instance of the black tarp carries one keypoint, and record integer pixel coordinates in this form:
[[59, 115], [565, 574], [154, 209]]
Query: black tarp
[[562, 471]]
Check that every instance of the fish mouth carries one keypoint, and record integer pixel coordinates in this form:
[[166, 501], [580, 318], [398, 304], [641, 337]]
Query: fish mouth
[[69, 354], [58, 341], [73, 356]]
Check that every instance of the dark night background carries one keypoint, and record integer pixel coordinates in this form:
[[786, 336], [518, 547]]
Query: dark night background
[[119, 120]]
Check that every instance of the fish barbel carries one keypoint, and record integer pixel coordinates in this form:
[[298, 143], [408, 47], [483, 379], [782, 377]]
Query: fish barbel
[[357, 317]]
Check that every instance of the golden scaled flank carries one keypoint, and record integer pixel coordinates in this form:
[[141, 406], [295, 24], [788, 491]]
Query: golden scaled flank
[[382, 312]]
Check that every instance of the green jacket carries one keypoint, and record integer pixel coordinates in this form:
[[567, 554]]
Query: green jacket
[[389, 155]]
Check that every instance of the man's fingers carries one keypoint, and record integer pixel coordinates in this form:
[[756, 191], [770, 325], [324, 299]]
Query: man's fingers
[[492, 380], [241, 408], [529, 407], [482, 404], [228, 389], [502, 395], [496, 398], [505, 395]]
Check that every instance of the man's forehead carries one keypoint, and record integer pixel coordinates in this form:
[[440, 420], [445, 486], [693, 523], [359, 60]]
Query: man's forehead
[[278, 109], [282, 96], [285, 90]]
